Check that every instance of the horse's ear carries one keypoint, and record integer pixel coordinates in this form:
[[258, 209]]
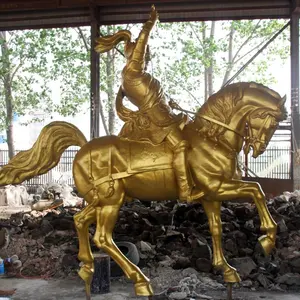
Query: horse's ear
[[282, 101]]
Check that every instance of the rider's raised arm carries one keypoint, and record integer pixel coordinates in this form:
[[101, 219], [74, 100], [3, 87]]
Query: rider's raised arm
[[140, 49]]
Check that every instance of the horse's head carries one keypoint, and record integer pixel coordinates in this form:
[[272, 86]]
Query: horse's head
[[263, 121], [240, 106]]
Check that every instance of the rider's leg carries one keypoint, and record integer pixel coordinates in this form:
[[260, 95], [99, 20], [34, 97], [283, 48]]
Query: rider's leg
[[181, 166]]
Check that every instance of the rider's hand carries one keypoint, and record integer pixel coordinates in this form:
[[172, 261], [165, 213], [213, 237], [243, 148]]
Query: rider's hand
[[153, 14]]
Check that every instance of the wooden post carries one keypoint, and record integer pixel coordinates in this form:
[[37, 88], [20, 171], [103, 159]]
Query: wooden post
[[229, 291], [295, 170], [101, 278], [95, 77]]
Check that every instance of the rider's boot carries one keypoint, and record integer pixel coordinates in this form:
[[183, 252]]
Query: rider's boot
[[187, 190]]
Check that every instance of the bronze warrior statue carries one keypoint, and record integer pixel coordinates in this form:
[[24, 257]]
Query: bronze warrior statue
[[146, 93], [157, 156]]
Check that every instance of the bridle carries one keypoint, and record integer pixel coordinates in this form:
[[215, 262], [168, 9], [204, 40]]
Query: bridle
[[249, 138]]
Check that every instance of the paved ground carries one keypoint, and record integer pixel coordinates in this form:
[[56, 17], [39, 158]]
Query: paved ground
[[37, 289]]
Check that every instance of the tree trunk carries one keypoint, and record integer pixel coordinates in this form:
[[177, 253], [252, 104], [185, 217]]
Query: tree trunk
[[110, 91], [8, 95], [205, 68], [210, 68], [103, 117], [230, 55], [110, 71]]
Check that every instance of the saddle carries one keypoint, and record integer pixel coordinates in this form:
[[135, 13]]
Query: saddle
[[140, 127]]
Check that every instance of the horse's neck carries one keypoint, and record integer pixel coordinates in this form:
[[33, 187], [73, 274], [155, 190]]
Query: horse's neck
[[230, 140]]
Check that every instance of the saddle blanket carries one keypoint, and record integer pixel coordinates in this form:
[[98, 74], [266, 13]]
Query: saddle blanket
[[144, 156]]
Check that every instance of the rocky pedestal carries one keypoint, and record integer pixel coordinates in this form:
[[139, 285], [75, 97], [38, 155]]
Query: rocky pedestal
[[167, 235]]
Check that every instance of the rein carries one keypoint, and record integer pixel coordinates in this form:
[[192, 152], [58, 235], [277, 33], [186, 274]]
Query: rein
[[174, 105], [221, 124]]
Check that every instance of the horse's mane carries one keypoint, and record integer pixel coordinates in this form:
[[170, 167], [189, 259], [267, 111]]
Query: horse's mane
[[220, 106]]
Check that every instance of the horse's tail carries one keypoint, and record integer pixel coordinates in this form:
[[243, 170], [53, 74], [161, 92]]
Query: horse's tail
[[45, 154]]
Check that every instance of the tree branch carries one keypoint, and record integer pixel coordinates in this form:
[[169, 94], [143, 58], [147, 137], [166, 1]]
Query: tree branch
[[83, 39], [102, 117], [233, 59], [245, 42], [2, 34], [196, 34], [15, 71], [255, 48], [185, 89], [211, 61], [230, 62], [11, 35]]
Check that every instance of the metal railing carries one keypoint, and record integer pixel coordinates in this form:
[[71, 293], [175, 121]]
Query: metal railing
[[61, 173], [274, 163]]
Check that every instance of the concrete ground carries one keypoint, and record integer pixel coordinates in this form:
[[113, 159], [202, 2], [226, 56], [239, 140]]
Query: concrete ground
[[66, 289]]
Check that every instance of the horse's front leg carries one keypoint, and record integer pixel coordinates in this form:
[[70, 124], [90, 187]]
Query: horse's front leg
[[244, 189], [106, 220], [213, 213], [82, 221]]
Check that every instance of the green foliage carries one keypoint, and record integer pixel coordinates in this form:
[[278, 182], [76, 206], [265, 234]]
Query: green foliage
[[34, 60], [71, 67], [194, 47], [182, 54]]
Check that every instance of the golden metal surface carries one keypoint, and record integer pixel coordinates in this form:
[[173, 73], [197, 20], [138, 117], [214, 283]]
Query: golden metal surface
[[197, 161], [155, 120]]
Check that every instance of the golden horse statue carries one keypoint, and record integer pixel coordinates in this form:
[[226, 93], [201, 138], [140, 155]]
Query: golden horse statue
[[110, 170]]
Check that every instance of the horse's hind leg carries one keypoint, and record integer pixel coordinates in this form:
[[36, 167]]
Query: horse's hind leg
[[107, 215], [82, 221], [213, 213]]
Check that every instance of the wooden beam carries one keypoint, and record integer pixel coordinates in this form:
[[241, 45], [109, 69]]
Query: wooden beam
[[26, 14], [295, 8], [44, 19], [196, 11]]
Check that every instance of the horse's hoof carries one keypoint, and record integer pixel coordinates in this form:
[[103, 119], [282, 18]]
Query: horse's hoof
[[86, 273], [231, 276], [267, 244], [143, 289]]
